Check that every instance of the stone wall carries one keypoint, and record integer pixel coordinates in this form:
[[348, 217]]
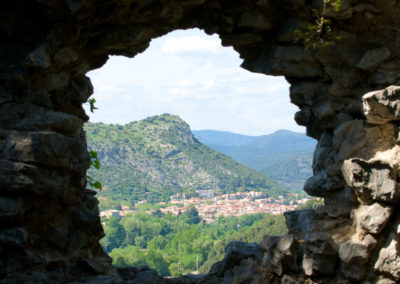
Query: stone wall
[[348, 100]]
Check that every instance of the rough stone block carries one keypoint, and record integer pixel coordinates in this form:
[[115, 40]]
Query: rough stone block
[[39, 58], [343, 76], [303, 116], [372, 58], [237, 251], [66, 55], [371, 181], [382, 106], [10, 207], [323, 110], [56, 236], [323, 154], [87, 221], [76, 241], [48, 148], [27, 277], [373, 218], [57, 81], [357, 139], [354, 254], [387, 74], [389, 256], [16, 175], [83, 87], [254, 20], [26, 178], [280, 253], [300, 222], [32, 117], [289, 60], [322, 184], [320, 253], [303, 93], [13, 236]]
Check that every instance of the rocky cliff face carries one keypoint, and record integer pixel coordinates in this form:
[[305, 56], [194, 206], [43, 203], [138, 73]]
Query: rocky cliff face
[[346, 93], [157, 157]]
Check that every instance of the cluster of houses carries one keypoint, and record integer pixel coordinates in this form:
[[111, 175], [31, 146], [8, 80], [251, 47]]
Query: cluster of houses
[[235, 204], [210, 207], [125, 210]]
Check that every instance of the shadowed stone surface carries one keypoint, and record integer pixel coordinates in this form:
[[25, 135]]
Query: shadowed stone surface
[[347, 99]]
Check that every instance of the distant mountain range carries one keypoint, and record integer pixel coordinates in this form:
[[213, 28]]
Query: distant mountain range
[[157, 157], [285, 156]]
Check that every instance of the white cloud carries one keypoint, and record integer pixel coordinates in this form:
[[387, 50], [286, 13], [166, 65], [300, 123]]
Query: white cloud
[[190, 74], [108, 88], [190, 45]]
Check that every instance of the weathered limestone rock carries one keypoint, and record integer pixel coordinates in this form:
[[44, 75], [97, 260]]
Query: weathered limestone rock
[[371, 181], [323, 154], [357, 139], [389, 256], [372, 58], [354, 254], [39, 58], [300, 222], [382, 106], [235, 253], [280, 254], [372, 218], [320, 253], [286, 60], [322, 184], [387, 74]]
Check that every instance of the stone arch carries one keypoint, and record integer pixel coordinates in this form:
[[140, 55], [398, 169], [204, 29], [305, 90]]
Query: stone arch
[[49, 221]]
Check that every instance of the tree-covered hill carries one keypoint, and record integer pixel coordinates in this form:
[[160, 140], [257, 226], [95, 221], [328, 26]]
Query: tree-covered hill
[[291, 172], [157, 157], [284, 155], [173, 245]]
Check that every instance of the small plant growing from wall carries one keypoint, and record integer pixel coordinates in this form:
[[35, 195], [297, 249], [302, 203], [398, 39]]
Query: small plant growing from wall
[[94, 159], [318, 34], [95, 163]]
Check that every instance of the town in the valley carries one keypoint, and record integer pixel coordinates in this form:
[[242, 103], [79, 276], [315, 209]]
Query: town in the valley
[[210, 207]]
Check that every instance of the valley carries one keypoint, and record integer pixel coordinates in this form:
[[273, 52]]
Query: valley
[[158, 157], [284, 156], [172, 199]]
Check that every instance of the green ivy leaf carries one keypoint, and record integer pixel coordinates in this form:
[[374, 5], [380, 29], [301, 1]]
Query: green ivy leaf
[[97, 185], [91, 104], [94, 162]]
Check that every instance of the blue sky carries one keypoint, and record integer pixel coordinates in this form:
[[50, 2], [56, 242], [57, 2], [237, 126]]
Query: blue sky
[[190, 74]]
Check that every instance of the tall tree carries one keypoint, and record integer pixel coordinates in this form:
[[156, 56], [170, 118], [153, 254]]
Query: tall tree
[[192, 214]]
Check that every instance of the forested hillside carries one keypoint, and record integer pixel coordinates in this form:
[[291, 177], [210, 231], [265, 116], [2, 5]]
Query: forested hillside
[[284, 155], [157, 157], [173, 245], [291, 172]]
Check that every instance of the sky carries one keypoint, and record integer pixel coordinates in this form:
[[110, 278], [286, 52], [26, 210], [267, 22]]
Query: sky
[[188, 73]]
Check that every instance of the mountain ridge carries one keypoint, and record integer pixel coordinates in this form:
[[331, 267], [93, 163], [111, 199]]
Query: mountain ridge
[[290, 152], [157, 157]]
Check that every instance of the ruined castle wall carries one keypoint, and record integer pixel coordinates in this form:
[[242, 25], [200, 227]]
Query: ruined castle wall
[[348, 99]]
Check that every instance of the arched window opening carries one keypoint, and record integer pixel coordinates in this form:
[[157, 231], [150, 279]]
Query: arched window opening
[[173, 198]]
